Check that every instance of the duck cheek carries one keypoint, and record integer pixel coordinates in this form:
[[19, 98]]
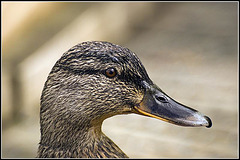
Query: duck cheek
[[135, 99], [139, 95]]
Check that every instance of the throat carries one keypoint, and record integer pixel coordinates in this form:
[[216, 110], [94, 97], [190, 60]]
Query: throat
[[87, 142]]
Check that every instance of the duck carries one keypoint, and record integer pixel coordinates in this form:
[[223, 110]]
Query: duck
[[92, 81]]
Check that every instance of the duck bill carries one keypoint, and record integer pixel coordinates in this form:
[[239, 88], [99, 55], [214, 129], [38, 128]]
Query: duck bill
[[159, 105]]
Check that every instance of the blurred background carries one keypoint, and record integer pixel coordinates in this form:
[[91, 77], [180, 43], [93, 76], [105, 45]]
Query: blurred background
[[189, 49]]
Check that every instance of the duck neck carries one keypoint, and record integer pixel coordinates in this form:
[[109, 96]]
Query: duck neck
[[86, 140]]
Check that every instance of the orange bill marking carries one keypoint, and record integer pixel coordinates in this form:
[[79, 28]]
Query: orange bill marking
[[151, 115]]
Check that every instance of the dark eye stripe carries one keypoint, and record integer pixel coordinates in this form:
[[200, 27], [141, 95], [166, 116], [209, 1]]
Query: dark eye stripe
[[79, 71], [124, 77]]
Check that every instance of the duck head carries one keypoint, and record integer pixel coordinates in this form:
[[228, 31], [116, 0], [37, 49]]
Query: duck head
[[96, 80], [91, 82]]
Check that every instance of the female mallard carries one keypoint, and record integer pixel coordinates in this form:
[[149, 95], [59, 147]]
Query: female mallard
[[91, 82]]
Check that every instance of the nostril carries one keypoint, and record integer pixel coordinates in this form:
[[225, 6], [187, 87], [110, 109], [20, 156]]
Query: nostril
[[161, 99]]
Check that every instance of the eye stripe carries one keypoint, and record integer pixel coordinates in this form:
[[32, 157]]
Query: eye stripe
[[125, 77], [78, 71]]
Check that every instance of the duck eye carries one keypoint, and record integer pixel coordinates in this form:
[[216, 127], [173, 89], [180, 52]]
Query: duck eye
[[111, 72]]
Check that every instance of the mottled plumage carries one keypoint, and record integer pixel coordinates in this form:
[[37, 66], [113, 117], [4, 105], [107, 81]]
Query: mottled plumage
[[78, 96]]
